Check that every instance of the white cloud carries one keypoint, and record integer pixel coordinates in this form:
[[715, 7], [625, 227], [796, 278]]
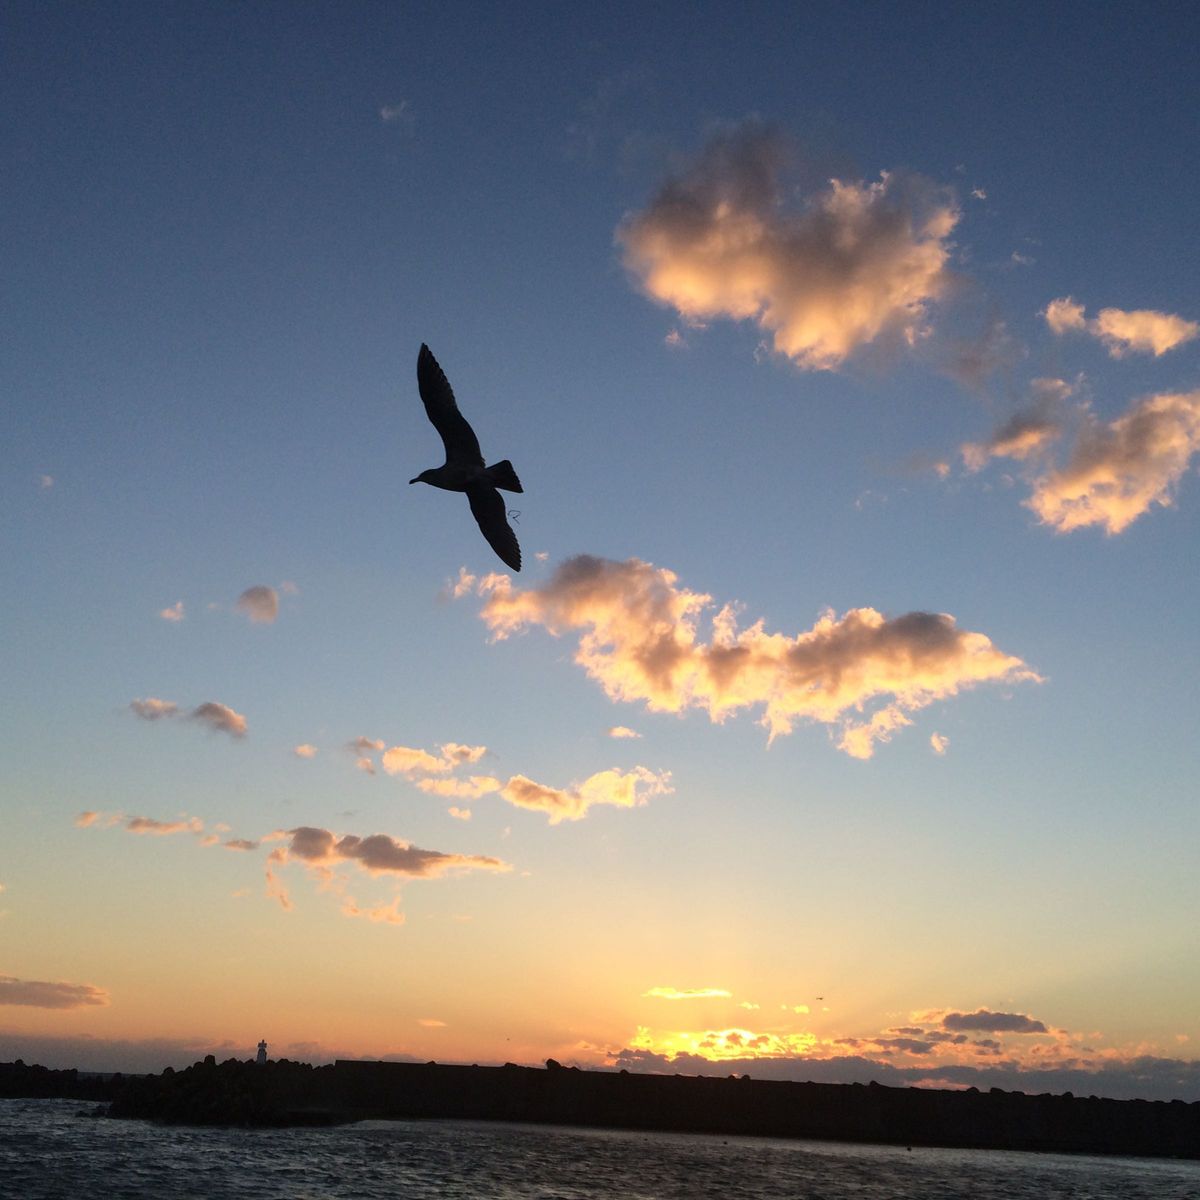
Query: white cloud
[[260, 603], [939, 743], [1142, 330], [857, 263], [639, 639], [623, 731], [400, 116]]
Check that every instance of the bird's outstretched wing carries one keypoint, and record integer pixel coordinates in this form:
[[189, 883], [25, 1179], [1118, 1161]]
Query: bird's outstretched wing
[[487, 506], [462, 446]]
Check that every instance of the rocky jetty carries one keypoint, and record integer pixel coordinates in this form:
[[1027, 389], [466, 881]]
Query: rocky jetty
[[288, 1093]]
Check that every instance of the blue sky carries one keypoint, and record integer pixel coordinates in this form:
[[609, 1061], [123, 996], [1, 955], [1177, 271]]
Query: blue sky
[[228, 231]]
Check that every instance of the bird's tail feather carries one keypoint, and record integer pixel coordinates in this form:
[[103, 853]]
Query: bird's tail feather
[[502, 475]]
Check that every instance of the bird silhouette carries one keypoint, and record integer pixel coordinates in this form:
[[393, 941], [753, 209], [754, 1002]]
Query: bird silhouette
[[464, 470]]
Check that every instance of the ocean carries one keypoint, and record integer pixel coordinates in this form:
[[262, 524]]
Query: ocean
[[49, 1151]]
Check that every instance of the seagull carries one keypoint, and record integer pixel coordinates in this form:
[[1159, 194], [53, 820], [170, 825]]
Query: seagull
[[464, 470]]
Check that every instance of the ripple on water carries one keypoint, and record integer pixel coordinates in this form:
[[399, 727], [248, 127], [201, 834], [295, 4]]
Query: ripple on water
[[47, 1152]]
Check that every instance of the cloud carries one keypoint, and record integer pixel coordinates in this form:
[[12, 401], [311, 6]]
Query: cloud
[[404, 760], [462, 789], [365, 745], [1063, 315], [978, 193], [174, 613], [365, 765], [289, 588], [1026, 433], [856, 263], [622, 789], [220, 718], [992, 1022], [86, 818], [305, 750], [459, 754], [260, 603], [638, 638], [34, 993], [153, 709], [623, 731], [241, 844], [431, 1023], [400, 116], [45, 482], [1142, 330], [388, 914], [939, 743], [163, 828], [1117, 471], [459, 814], [377, 854], [670, 993]]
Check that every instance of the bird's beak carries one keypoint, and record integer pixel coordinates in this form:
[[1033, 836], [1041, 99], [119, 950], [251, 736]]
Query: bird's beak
[[414, 481]]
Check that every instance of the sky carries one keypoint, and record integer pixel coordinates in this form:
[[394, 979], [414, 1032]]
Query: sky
[[840, 724]]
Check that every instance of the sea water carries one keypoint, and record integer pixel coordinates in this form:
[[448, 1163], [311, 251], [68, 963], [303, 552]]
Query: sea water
[[48, 1150]]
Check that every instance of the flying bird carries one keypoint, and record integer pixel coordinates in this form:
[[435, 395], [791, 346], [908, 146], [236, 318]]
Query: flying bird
[[464, 470]]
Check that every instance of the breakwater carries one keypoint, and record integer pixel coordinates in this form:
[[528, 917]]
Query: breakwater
[[295, 1093]]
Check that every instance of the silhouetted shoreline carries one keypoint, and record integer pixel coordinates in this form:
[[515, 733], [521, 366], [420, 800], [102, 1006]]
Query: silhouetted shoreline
[[288, 1093]]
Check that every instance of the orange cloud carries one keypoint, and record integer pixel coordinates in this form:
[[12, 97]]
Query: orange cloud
[[1025, 434], [305, 750], [173, 613], [638, 638], [153, 709], [462, 789], [721, 1045], [670, 993], [1141, 330], [404, 760], [622, 789], [163, 828], [1118, 471], [858, 262], [220, 717], [459, 754], [623, 731], [33, 993]]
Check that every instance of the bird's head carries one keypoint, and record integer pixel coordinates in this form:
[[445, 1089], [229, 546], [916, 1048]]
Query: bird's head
[[422, 478]]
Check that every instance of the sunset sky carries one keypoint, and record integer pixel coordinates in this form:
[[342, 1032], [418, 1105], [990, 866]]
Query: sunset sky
[[841, 724]]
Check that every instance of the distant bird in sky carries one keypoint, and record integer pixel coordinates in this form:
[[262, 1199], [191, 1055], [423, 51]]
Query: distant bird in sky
[[464, 470]]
